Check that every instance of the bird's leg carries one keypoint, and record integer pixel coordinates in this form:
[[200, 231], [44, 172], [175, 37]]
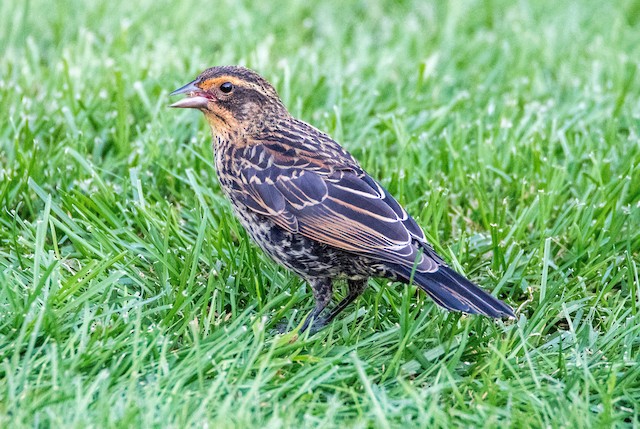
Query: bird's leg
[[356, 287], [322, 292]]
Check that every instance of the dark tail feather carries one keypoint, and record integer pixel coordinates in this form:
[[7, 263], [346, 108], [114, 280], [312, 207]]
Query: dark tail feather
[[454, 292]]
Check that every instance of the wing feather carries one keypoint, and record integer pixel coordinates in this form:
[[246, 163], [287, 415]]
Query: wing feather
[[341, 209], [333, 201]]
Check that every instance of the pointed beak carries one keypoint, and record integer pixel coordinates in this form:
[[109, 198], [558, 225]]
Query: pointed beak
[[190, 87], [193, 101]]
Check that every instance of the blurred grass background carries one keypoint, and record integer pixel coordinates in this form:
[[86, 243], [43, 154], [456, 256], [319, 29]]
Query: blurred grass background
[[129, 296]]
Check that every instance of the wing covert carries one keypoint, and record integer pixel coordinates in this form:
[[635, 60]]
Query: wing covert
[[337, 204]]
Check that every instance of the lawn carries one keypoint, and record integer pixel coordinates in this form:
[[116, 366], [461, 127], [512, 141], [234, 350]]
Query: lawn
[[131, 297]]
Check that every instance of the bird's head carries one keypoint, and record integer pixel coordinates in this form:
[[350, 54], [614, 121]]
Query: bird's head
[[231, 97]]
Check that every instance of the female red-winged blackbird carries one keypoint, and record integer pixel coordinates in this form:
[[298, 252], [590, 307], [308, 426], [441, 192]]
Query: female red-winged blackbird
[[310, 206]]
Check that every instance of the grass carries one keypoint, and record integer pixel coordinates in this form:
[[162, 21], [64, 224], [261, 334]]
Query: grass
[[130, 296]]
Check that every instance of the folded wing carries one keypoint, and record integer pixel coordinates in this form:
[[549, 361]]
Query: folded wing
[[341, 207], [345, 208]]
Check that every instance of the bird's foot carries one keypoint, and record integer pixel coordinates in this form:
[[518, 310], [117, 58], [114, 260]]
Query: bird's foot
[[316, 326], [283, 327]]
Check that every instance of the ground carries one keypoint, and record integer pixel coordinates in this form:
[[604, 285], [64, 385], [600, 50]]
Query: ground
[[130, 296]]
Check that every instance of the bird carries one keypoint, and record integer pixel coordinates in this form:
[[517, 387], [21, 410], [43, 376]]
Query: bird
[[310, 206]]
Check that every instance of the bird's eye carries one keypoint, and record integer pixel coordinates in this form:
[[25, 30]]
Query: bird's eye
[[226, 87]]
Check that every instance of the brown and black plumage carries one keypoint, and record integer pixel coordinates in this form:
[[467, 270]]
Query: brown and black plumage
[[310, 206]]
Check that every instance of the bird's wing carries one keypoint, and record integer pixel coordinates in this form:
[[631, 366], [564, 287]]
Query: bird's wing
[[339, 206], [343, 207]]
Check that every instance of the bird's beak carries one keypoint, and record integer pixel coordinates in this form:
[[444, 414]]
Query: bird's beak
[[193, 101]]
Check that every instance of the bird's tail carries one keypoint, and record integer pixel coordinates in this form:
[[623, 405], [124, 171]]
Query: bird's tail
[[453, 291]]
